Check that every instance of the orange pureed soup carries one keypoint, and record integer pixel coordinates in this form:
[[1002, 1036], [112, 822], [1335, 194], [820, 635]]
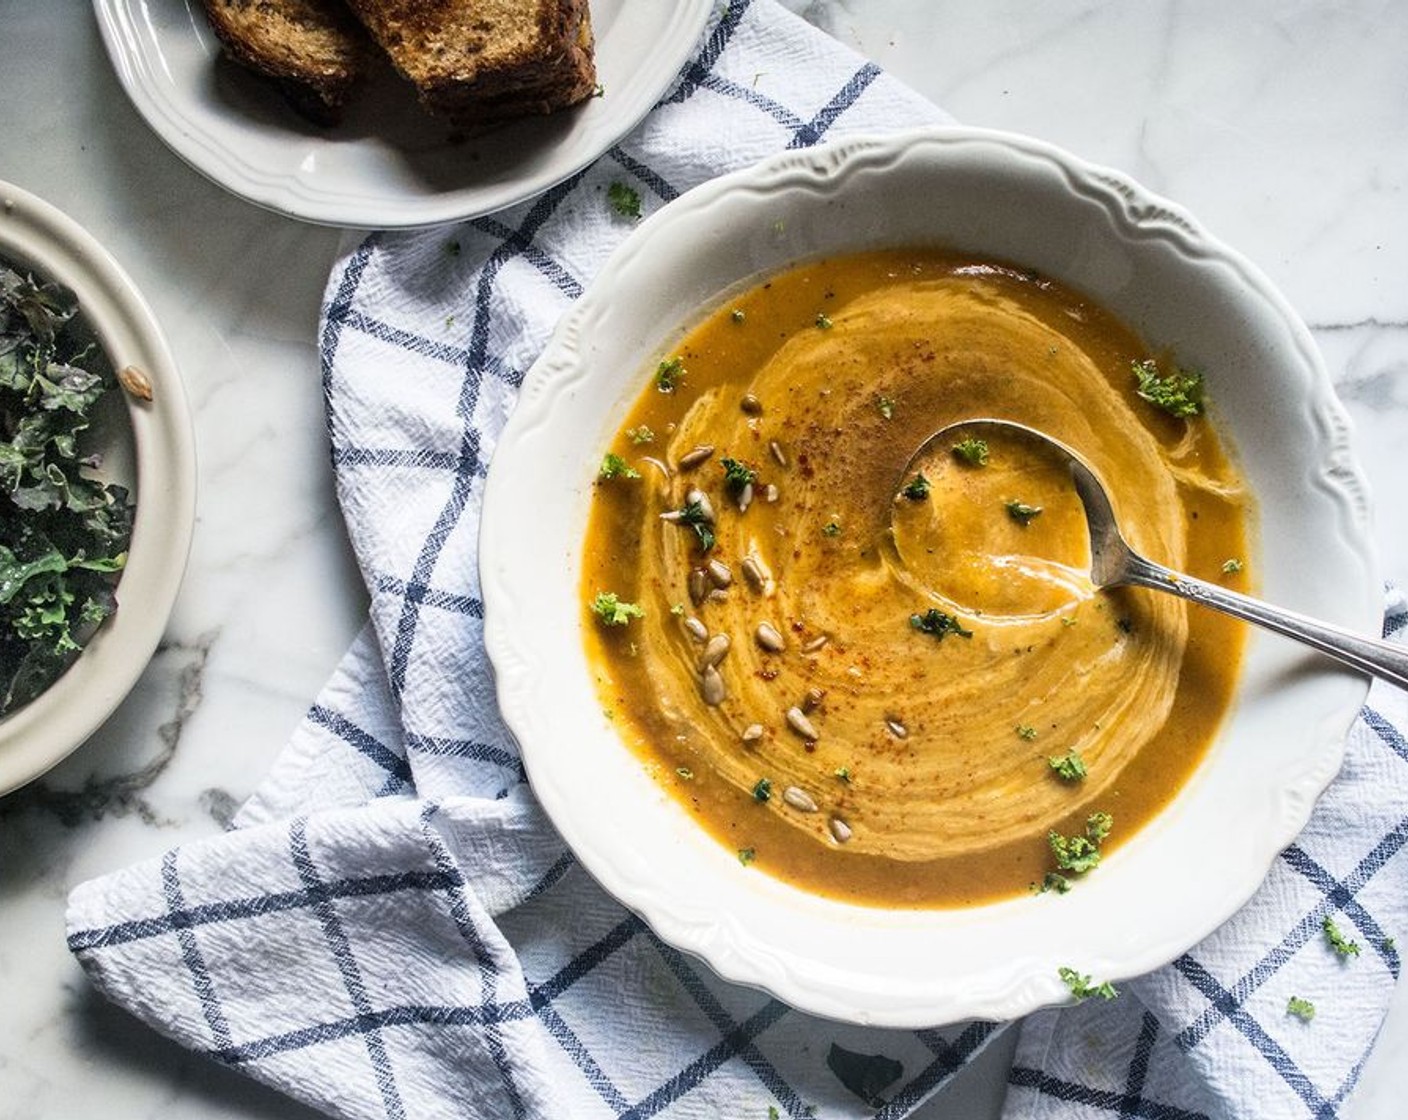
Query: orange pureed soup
[[898, 687]]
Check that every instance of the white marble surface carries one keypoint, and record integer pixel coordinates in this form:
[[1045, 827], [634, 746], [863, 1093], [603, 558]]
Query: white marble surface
[[1283, 124]]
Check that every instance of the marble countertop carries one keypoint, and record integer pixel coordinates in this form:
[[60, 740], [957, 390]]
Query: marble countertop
[[1284, 127]]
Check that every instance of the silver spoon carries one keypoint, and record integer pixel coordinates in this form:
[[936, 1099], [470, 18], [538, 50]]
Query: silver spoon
[[1114, 564]]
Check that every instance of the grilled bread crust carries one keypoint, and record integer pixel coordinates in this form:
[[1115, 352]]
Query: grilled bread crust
[[479, 61], [313, 50]]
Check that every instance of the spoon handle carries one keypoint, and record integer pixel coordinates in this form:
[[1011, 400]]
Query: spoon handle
[[1370, 655]]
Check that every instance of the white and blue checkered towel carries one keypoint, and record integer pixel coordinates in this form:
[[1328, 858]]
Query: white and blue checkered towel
[[394, 930]]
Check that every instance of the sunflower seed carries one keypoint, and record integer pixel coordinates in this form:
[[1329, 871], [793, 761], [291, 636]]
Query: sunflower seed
[[753, 572], [718, 595], [693, 458], [751, 405], [711, 687], [778, 453], [662, 468], [698, 585], [770, 493], [897, 729], [701, 499], [135, 382], [745, 497], [816, 643], [697, 630], [753, 732], [768, 636], [797, 720], [715, 650], [719, 573], [799, 799], [812, 700], [840, 829]]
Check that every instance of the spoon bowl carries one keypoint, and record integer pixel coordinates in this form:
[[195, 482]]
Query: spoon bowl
[[1114, 564]]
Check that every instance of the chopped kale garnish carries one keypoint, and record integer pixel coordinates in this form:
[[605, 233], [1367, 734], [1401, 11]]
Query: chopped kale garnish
[[917, 488], [1082, 988], [1022, 513], [694, 516], [1081, 853], [737, 475], [1069, 767], [613, 466], [612, 611], [940, 625], [669, 373], [1302, 1009], [63, 534], [1179, 393], [1337, 941], [624, 200], [972, 451]]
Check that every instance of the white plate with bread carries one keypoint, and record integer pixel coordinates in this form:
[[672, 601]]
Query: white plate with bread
[[371, 118]]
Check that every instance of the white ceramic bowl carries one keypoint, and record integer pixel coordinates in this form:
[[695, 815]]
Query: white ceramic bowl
[[147, 446], [1144, 258]]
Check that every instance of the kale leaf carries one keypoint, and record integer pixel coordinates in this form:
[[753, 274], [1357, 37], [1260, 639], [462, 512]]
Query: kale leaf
[[64, 534]]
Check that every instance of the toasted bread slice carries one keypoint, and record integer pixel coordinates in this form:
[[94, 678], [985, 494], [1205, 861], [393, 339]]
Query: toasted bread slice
[[313, 49], [478, 61]]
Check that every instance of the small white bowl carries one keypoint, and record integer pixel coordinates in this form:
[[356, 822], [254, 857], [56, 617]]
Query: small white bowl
[[148, 447], [1144, 258]]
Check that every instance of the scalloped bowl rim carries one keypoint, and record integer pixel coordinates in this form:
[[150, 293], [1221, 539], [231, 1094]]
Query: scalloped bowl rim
[[1129, 248], [38, 735]]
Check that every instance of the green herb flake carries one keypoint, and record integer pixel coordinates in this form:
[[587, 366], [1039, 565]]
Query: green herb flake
[[917, 488], [762, 790], [1302, 1009], [640, 435], [1020, 512], [746, 856], [1337, 941], [677, 609], [63, 534], [737, 475], [1388, 944], [693, 515], [1069, 767], [1083, 989], [1055, 881], [773, 1114], [843, 774], [886, 406], [685, 772], [1232, 565], [972, 451], [598, 90], [624, 200], [831, 529], [669, 373], [613, 466], [823, 321], [1179, 393], [608, 607], [1080, 854], [940, 625], [737, 315], [1025, 731]]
